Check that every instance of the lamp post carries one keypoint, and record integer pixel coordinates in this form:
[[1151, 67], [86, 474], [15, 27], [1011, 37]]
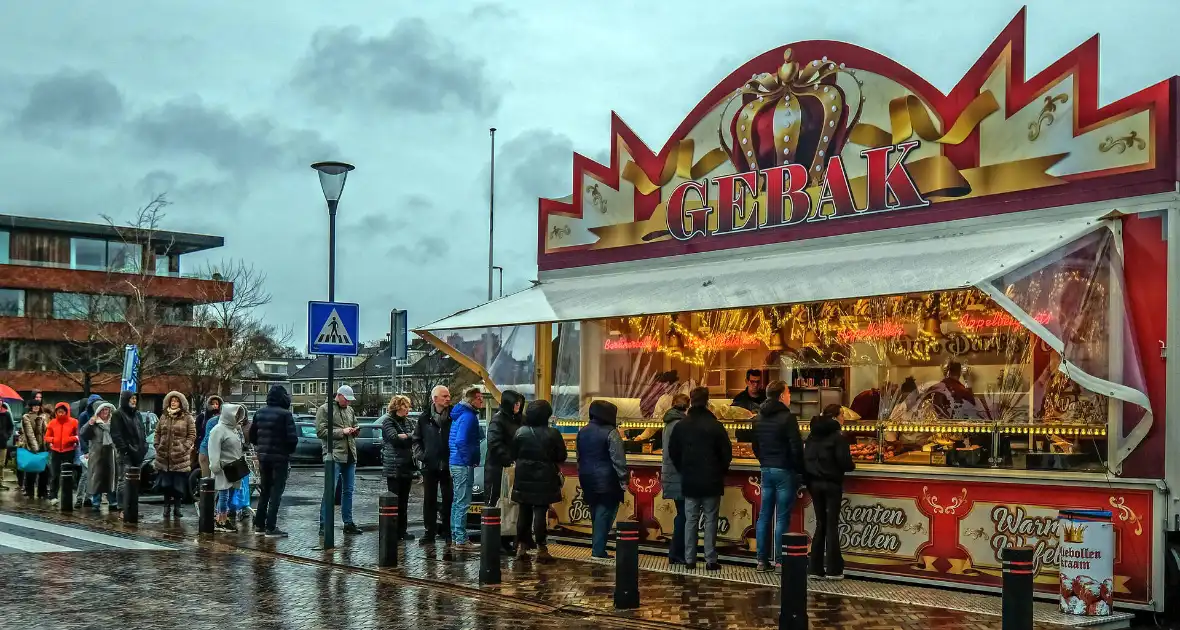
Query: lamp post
[[501, 270], [332, 178], [491, 212]]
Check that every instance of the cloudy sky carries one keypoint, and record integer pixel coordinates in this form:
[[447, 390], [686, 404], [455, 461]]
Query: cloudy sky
[[222, 105]]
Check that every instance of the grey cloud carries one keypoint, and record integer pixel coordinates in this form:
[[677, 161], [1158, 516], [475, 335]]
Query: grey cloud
[[411, 68], [491, 11], [71, 99], [538, 163], [240, 146]]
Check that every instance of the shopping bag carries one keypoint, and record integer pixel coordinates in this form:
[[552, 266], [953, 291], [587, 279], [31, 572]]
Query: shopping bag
[[509, 509], [239, 499], [30, 462]]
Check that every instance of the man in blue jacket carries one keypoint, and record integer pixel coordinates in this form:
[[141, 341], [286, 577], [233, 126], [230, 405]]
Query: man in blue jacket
[[464, 447]]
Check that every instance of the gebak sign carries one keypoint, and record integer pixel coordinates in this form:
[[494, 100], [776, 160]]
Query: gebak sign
[[785, 199]]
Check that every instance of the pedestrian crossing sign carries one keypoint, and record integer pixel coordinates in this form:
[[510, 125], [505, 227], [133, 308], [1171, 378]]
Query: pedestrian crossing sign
[[332, 328]]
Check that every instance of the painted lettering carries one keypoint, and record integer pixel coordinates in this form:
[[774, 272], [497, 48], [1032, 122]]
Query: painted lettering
[[787, 201], [732, 192]]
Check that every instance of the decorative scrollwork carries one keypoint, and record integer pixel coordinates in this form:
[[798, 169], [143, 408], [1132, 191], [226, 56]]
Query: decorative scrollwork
[[1127, 515], [1046, 118], [949, 508], [756, 482], [1129, 141], [559, 232], [596, 198]]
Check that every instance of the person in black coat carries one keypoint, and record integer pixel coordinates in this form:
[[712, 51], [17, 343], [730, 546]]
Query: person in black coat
[[701, 450], [397, 457], [778, 445], [501, 431], [7, 426], [827, 458], [274, 438], [431, 449], [538, 450], [130, 440], [602, 471]]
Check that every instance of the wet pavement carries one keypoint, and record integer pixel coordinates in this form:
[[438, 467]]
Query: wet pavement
[[291, 583]]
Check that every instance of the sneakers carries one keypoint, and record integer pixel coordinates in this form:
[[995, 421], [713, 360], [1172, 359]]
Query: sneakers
[[466, 545], [275, 533], [352, 529], [78, 504], [225, 526], [764, 567], [834, 578], [522, 552], [712, 566], [543, 554], [53, 502]]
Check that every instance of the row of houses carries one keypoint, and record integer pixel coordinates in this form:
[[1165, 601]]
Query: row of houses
[[372, 374]]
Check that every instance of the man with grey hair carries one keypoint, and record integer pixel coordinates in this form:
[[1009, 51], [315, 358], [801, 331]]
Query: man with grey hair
[[430, 448]]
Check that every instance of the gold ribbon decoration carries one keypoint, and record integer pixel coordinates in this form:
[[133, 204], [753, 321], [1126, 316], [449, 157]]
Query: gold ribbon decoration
[[678, 163], [908, 116]]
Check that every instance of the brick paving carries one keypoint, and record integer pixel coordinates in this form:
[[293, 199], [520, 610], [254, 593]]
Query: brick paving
[[566, 590]]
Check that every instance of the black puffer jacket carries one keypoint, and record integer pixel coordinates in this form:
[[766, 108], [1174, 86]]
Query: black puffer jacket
[[777, 441], [273, 431], [502, 429], [828, 456], [538, 450], [701, 450], [6, 428], [397, 454], [127, 433], [430, 440]]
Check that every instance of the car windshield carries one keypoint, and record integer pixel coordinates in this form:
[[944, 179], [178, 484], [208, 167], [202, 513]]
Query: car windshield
[[307, 431], [370, 433]]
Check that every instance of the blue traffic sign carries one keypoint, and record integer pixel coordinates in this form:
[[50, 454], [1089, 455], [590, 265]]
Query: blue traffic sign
[[332, 328]]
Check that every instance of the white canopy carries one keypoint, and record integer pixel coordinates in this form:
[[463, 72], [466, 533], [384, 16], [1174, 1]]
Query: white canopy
[[949, 256]]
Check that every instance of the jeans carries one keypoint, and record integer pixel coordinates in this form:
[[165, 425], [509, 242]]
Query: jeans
[[536, 515], [676, 545], [432, 482], [272, 483], [401, 487], [825, 544], [778, 496], [463, 477], [222, 508], [602, 519], [695, 508], [96, 499], [57, 463], [347, 474]]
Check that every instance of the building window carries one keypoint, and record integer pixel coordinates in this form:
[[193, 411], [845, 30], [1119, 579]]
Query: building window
[[254, 388], [88, 253], [345, 363], [277, 369], [125, 257], [296, 389], [162, 262], [83, 306], [175, 314], [12, 303], [386, 387], [3, 248]]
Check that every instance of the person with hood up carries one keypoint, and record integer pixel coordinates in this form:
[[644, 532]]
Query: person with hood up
[[176, 432], [464, 451], [205, 421], [778, 445], [274, 437], [225, 447], [701, 451], [7, 427], [430, 448], [828, 458], [32, 439], [343, 427], [501, 430], [602, 471], [101, 461], [128, 434], [80, 464], [61, 436], [397, 457], [538, 450], [670, 478]]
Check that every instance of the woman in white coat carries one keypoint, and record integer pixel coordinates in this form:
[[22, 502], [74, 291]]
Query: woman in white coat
[[226, 445]]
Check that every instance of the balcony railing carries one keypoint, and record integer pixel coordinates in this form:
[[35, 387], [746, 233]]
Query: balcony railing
[[107, 269]]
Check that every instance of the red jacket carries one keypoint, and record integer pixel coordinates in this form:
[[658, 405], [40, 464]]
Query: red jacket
[[62, 433]]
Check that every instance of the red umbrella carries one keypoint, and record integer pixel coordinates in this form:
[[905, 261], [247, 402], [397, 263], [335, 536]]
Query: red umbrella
[[8, 393]]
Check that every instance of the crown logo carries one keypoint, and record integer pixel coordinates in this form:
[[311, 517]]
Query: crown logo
[[1075, 533]]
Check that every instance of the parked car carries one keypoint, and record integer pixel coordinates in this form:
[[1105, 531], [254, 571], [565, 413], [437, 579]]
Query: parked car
[[308, 450], [368, 443]]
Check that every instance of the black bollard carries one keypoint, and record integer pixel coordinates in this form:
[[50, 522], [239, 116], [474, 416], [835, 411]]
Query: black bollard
[[208, 498], [1017, 598], [489, 546], [627, 566], [67, 488], [387, 532], [793, 586], [131, 496]]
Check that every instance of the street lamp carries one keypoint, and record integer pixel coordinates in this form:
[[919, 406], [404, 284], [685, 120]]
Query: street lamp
[[501, 270], [332, 178]]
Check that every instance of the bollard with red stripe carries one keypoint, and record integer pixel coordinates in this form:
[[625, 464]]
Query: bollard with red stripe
[[627, 566], [793, 586], [387, 533], [1017, 599], [489, 546]]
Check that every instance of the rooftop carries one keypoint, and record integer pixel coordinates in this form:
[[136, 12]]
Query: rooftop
[[180, 242]]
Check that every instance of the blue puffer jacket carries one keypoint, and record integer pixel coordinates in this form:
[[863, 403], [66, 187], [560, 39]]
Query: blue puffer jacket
[[602, 463], [464, 438]]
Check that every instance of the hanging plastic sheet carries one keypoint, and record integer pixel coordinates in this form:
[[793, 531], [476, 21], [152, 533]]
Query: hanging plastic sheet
[[502, 356]]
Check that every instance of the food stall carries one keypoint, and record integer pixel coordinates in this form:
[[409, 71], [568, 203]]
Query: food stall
[[978, 278]]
